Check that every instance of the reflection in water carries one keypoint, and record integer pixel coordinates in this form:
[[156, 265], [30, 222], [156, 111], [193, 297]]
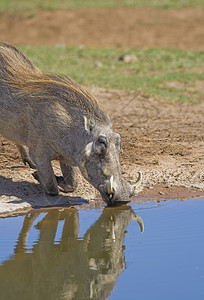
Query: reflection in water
[[72, 268]]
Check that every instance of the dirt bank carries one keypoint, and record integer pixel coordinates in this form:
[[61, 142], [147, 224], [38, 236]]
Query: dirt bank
[[119, 27]]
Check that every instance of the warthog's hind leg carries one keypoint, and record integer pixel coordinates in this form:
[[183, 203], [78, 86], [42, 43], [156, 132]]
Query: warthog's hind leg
[[68, 182], [25, 156]]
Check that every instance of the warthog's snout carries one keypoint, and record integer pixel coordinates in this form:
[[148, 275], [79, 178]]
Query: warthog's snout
[[114, 193]]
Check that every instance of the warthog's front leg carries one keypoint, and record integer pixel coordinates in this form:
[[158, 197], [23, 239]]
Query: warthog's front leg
[[45, 174], [68, 182]]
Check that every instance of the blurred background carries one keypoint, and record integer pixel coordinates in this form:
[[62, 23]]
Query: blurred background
[[153, 46]]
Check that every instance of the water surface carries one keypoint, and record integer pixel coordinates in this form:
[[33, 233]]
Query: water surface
[[140, 251]]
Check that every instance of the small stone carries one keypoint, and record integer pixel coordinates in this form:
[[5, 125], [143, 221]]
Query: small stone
[[128, 58], [99, 64]]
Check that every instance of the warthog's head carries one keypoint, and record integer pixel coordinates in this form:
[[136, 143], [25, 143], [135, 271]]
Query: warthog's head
[[100, 164]]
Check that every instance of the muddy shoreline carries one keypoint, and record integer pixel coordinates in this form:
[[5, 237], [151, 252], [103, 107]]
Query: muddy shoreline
[[157, 193]]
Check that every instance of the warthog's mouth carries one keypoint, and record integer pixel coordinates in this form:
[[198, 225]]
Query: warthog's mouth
[[114, 200], [112, 197], [118, 202]]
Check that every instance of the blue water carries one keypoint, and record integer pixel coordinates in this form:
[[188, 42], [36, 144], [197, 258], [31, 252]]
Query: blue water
[[102, 253], [167, 260]]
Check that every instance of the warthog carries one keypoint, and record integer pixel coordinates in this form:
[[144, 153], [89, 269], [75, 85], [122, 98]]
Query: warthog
[[51, 117]]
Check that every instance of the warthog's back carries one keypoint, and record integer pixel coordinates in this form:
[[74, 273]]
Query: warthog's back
[[19, 76], [25, 89], [14, 62], [14, 67]]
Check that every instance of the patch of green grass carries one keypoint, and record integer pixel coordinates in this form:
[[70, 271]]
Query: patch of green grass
[[19, 5], [152, 72]]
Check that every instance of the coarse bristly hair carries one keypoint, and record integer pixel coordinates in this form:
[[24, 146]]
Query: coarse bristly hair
[[17, 72]]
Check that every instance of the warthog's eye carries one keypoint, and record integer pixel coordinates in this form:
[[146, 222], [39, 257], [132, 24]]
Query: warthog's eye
[[101, 146]]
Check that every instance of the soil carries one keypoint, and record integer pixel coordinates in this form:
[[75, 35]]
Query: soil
[[163, 139], [120, 27]]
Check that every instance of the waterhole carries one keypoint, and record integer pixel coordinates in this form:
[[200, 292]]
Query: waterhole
[[151, 250]]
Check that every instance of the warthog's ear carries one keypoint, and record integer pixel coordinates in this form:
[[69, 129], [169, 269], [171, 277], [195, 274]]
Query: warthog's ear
[[89, 124]]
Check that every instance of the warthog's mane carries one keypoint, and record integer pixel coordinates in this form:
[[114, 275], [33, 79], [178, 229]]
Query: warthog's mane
[[17, 72]]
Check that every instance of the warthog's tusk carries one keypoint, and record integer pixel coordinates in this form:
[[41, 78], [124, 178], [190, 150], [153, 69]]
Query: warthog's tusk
[[140, 222], [139, 180], [110, 186]]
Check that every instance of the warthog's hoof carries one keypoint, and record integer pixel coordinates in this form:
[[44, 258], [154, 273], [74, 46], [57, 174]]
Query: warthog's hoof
[[65, 187], [36, 176], [51, 190]]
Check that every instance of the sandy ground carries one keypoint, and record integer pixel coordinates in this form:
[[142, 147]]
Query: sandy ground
[[163, 139], [121, 27]]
